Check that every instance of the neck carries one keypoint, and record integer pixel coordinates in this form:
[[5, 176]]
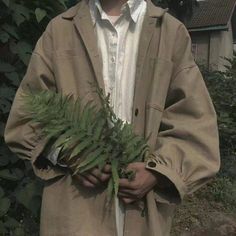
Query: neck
[[112, 7]]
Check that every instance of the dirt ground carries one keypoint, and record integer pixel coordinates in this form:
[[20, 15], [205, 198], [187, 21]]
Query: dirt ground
[[199, 217]]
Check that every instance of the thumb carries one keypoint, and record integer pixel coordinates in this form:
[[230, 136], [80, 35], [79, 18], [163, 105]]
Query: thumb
[[134, 166]]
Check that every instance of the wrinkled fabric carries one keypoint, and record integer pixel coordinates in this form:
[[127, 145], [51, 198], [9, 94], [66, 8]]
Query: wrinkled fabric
[[171, 106]]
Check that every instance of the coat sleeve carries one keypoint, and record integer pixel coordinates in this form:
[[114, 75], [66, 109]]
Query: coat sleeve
[[187, 148], [23, 137]]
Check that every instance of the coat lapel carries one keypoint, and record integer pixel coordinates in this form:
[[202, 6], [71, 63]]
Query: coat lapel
[[80, 14], [83, 22], [146, 35], [150, 23], [151, 20]]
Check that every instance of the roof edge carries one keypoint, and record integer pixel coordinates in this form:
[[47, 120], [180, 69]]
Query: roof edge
[[209, 28], [232, 12], [215, 27]]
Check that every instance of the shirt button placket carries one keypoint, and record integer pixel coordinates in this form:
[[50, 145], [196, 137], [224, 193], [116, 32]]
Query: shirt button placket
[[112, 64], [113, 59]]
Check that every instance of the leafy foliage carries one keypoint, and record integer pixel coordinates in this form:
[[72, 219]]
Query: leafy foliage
[[222, 88], [21, 23], [87, 137]]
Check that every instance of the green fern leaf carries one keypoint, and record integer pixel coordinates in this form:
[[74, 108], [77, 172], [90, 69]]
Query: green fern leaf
[[91, 157], [93, 164], [81, 146], [90, 137]]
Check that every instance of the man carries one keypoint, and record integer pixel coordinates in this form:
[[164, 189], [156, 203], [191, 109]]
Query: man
[[142, 56]]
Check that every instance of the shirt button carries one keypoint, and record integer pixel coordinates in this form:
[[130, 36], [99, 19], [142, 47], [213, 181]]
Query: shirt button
[[136, 112], [113, 59]]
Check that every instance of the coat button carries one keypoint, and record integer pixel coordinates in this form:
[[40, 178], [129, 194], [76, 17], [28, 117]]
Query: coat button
[[152, 164], [136, 112]]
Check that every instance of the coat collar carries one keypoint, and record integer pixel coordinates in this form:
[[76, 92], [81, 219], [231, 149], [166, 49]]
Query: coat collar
[[81, 17], [152, 10], [80, 14], [132, 8]]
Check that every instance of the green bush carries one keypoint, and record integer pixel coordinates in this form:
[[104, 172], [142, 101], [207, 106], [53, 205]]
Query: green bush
[[222, 88], [21, 24]]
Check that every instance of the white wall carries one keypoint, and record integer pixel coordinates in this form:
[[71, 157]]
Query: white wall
[[226, 47], [201, 39], [212, 46], [214, 50]]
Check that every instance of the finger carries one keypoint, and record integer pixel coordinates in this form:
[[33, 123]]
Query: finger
[[100, 175], [130, 192], [107, 169], [137, 195], [128, 200], [133, 166], [91, 178], [125, 183], [104, 177], [95, 172], [125, 195], [84, 182]]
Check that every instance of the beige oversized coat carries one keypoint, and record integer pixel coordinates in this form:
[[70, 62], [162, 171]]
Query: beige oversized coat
[[170, 101]]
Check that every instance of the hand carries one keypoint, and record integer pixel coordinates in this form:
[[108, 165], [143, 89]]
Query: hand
[[136, 189], [94, 178]]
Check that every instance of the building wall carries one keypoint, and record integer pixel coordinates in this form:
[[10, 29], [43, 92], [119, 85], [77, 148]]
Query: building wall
[[226, 47], [210, 47], [200, 49], [214, 49]]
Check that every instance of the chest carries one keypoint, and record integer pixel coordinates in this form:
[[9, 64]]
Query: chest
[[118, 46], [78, 62]]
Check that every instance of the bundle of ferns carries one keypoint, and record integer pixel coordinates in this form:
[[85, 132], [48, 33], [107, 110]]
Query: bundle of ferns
[[86, 136]]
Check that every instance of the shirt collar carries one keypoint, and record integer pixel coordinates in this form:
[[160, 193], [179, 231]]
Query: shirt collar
[[134, 7]]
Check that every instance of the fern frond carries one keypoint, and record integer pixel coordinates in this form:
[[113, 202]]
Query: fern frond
[[88, 137]]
